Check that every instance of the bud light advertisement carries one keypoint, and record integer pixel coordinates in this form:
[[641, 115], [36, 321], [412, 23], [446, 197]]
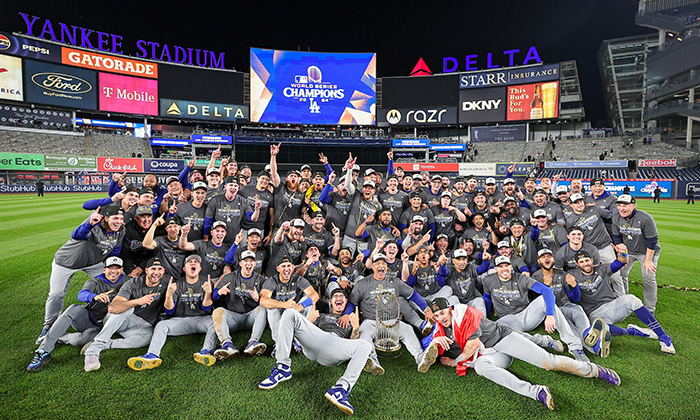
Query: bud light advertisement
[[298, 87]]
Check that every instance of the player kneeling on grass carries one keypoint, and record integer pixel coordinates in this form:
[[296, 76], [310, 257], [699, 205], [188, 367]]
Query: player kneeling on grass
[[604, 307], [323, 340], [132, 314], [239, 298], [86, 319], [464, 338], [188, 301]]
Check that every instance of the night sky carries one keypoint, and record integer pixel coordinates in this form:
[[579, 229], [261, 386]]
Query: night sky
[[400, 32]]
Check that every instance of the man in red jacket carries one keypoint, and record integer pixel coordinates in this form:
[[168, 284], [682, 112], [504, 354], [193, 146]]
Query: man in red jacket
[[465, 338]]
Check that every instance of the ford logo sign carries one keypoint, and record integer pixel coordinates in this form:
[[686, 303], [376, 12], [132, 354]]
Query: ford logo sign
[[62, 83]]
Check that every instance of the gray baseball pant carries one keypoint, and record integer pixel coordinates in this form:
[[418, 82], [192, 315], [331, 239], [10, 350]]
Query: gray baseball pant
[[59, 282], [274, 316], [320, 346], [406, 335], [177, 326], [607, 256], [617, 310], [225, 321], [75, 316], [529, 318], [494, 366], [135, 332], [649, 290]]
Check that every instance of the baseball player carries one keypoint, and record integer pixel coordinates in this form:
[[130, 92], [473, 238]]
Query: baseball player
[[188, 301], [193, 212], [327, 343], [637, 230], [240, 310], [167, 247], [212, 251], [365, 293], [461, 277], [604, 307], [565, 256], [364, 204], [283, 291], [86, 320], [230, 208], [133, 253], [132, 314], [464, 338], [253, 244], [551, 236], [416, 209], [287, 242], [508, 291], [98, 238]]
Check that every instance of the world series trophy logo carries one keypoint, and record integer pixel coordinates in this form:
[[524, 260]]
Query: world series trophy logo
[[388, 315]]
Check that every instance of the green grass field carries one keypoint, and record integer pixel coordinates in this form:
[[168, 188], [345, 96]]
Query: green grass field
[[654, 385]]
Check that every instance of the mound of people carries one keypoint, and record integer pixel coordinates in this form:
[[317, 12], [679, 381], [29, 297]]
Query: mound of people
[[314, 255]]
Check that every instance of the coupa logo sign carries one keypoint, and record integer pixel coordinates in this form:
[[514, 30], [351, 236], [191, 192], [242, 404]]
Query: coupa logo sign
[[4, 42], [62, 83]]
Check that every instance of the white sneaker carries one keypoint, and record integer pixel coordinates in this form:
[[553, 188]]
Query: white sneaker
[[92, 362], [667, 348]]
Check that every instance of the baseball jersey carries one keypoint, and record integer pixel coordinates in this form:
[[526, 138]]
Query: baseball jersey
[[407, 217], [555, 214], [287, 204], [188, 213], [558, 285], [508, 297], [463, 284], [397, 203], [430, 198], [552, 237], [239, 300], [98, 285], [137, 288], [260, 258], [361, 209], [266, 198], [337, 211], [323, 240], [565, 257], [231, 212], [591, 222], [212, 257], [424, 281], [88, 246], [188, 298], [171, 255], [281, 291], [595, 288], [635, 231], [477, 236], [444, 222], [294, 250], [367, 289], [329, 323]]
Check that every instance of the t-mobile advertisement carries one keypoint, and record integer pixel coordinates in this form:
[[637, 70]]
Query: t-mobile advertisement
[[127, 94], [533, 102]]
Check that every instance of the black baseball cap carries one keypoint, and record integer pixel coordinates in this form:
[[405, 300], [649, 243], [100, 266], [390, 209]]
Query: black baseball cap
[[595, 181], [153, 261], [231, 179], [340, 290], [439, 304], [112, 210], [582, 254]]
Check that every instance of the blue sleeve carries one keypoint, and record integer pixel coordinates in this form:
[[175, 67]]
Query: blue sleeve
[[184, 177], [86, 296], [97, 202], [616, 266], [215, 294], [364, 234], [349, 308], [442, 274], [248, 214], [113, 188], [574, 293], [616, 239], [329, 170], [483, 267], [158, 201], [432, 231], [206, 308], [418, 300], [325, 196], [208, 221], [230, 257], [402, 226], [546, 292], [390, 167], [524, 203], [366, 254], [534, 233], [82, 232], [509, 174], [171, 311], [411, 281], [487, 302], [524, 269], [651, 242]]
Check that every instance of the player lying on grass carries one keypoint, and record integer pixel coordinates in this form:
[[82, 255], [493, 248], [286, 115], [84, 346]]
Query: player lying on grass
[[323, 340], [464, 338]]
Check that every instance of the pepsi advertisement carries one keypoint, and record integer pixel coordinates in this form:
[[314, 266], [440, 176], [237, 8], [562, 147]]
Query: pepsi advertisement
[[299, 87]]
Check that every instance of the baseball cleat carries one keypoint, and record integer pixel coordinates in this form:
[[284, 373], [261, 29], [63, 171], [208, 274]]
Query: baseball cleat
[[92, 362], [426, 328], [39, 339], [297, 346], [608, 375], [204, 357], [605, 339], [594, 332], [255, 348], [85, 347], [147, 361], [579, 355], [37, 363], [280, 373], [633, 329], [372, 366], [427, 358], [545, 397], [226, 351], [339, 397], [553, 344], [667, 344]]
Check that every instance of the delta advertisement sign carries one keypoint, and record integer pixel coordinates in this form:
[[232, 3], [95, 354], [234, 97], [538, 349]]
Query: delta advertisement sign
[[129, 95]]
